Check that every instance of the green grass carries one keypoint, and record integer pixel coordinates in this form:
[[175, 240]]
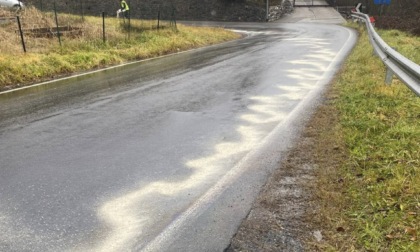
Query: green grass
[[406, 44], [46, 59], [380, 126]]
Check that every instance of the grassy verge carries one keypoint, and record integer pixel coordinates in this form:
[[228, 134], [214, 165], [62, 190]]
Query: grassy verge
[[372, 202], [47, 59]]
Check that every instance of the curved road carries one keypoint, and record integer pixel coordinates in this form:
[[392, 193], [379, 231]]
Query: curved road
[[160, 155]]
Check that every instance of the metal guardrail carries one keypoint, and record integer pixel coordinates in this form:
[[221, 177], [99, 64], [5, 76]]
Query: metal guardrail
[[406, 70]]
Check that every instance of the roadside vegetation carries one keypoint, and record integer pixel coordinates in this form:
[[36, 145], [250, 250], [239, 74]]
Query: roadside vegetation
[[368, 189], [46, 59], [352, 181], [371, 202]]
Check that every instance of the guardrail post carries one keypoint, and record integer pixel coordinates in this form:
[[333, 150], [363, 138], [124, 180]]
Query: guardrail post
[[389, 75]]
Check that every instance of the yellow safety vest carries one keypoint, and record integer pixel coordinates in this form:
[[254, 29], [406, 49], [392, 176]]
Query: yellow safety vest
[[124, 5]]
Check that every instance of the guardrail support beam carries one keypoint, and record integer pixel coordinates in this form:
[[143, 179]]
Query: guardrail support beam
[[389, 75]]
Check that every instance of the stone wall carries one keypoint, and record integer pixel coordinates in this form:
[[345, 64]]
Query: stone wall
[[209, 10]]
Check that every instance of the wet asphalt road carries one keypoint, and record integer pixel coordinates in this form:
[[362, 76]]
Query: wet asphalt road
[[160, 155]]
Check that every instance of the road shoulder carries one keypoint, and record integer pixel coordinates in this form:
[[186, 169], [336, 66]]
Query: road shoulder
[[287, 215]]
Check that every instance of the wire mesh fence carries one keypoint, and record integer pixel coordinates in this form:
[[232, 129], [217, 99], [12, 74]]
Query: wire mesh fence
[[137, 9], [43, 23]]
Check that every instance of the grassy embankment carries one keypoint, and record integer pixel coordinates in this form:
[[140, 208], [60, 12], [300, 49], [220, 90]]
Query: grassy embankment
[[372, 203], [45, 59]]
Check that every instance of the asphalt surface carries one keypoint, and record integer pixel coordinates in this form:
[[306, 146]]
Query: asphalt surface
[[160, 155]]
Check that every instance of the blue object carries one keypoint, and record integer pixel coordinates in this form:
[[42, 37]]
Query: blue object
[[387, 2]]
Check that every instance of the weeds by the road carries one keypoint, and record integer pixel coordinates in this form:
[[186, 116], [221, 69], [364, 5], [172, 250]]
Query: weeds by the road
[[372, 203], [47, 59], [406, 44]]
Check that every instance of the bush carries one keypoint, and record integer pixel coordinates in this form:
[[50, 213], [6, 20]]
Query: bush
[[402, 15]]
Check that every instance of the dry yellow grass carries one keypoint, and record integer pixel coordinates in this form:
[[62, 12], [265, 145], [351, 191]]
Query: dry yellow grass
[[45, 58]]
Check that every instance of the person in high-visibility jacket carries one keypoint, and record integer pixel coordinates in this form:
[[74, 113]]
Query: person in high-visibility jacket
[[124, 9]]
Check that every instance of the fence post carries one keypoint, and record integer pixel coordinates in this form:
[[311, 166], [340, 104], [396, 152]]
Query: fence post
[[129, 26], [21, 34], [82, 10], [158, 19], [173, 19], [56, 23], [103, 27]]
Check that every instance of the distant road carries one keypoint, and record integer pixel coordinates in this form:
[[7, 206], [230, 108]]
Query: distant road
[[161, 155], [310, 2], [313, 14]]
